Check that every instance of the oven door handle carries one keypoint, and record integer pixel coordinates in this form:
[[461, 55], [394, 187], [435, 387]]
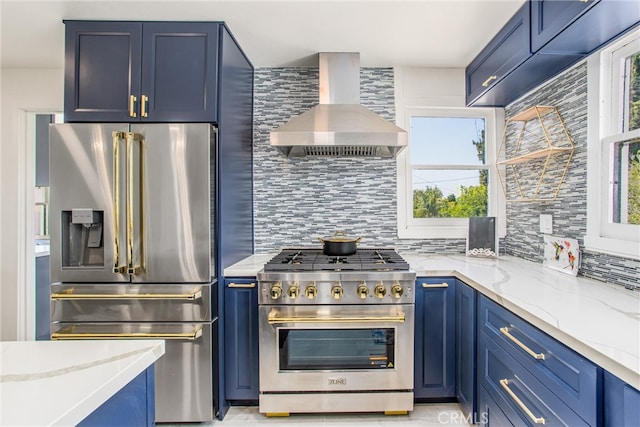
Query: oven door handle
[[275, 319]]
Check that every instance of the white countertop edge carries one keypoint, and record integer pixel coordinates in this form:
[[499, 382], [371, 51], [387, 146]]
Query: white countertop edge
[[45, 377], [467, 269], [94, 400], [579, 346]]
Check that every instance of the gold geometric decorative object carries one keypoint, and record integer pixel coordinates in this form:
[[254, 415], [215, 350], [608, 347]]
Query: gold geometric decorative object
[[534, 155]]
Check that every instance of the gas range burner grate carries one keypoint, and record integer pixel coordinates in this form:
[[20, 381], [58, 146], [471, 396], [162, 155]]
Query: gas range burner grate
[[365, 259]]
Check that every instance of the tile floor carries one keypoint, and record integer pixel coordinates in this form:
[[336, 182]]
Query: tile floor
[[423, 415]]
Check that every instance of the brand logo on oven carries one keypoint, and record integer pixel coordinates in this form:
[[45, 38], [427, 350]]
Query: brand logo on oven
[[338, 381]]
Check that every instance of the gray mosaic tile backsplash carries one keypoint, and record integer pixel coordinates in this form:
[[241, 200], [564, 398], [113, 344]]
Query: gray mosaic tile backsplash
[[297, 200], [568, 93]]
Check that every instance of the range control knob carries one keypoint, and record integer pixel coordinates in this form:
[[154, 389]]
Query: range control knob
[[337, 291], [293, 291], [362, 291], [311, 291], [276, 290], [379, 291], [397, 290]]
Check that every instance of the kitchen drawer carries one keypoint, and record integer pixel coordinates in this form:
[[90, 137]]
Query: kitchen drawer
[[489, 412], [572, 378], [108, 302], [508, 49], [523, 398]]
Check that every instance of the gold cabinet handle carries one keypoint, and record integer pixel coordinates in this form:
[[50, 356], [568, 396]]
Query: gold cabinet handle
[[133, 266], [242, 285], [274, 319], [68, 335], [435, 285], [144, 103], [117, 136], [195, 294], [486, 82], [505, 385], [132, 105], [537, 356]]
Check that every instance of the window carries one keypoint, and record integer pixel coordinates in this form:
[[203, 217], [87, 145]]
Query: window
[[445, 176], [613, 210]]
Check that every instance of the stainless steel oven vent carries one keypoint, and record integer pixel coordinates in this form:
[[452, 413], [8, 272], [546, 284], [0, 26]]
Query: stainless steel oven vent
[[347, 151], [339, 125]]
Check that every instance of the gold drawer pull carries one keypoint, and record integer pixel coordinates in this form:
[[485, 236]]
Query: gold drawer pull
[[437, 285], [537, 356], [486, 82], [189, 336], [242, 285], [505, 385]]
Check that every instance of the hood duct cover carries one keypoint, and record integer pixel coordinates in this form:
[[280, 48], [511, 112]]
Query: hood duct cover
[[339, 126]]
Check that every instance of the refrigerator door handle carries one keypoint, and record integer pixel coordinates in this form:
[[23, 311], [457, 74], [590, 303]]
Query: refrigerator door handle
[[117, 137], [134, 231]]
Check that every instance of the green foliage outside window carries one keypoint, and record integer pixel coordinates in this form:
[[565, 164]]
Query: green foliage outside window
[[472, 201]]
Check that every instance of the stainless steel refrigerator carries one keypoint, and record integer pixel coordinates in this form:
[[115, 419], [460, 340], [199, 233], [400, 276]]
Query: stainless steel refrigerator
[[132, 225]]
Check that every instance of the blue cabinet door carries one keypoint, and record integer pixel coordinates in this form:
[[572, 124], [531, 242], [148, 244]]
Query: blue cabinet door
[[102, 70], [466, 348], [133, 405], [179, 72], [435, 339], [508, 49], [577, 27], [621, 403], [550, 17], [241, 340]]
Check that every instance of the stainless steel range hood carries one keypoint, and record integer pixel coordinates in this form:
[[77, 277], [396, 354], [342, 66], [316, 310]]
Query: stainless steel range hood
[[339, 125]]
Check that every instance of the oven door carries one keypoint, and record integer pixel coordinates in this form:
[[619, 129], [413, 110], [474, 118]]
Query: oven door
[[336, 348]]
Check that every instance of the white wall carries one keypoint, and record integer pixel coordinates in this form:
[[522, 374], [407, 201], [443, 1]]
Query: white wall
[[22, 91]]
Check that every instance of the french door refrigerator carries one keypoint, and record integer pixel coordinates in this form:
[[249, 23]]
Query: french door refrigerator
[[132, 248]]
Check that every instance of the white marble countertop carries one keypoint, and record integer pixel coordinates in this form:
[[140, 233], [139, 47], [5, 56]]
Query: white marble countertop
[[55, 383], [598, 320]]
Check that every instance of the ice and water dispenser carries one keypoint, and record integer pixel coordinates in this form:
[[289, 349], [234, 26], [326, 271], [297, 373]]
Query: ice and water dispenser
[[82, 238]]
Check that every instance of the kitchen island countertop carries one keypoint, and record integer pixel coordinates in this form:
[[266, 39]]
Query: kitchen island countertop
[[44, 383], [601, 321]]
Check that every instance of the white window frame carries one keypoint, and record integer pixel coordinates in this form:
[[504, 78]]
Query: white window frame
[[433, 228], [604, 130]]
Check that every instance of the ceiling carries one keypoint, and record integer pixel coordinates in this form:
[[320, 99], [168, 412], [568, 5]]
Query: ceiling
[[420, 33]]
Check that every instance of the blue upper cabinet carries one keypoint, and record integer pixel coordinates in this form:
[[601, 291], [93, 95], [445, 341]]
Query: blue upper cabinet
[[550, 17], [134, 71], [179, 72], [579, 27], [102, 70], [508, 49], [542, 39]]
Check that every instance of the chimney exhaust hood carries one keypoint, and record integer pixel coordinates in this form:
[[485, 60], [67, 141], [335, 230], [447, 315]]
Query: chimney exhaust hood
[[339, 126]]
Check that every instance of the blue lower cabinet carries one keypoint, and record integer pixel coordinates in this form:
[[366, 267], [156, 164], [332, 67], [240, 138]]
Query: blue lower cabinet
[[521, 396], [133, 406], [465, 340], [241, 340], [435, 339], [489, 412], [621, 403]]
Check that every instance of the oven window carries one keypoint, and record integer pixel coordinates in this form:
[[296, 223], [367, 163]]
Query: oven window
[[316, 349]]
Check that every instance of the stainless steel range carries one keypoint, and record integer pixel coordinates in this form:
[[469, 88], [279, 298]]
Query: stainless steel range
[[336, 333]]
